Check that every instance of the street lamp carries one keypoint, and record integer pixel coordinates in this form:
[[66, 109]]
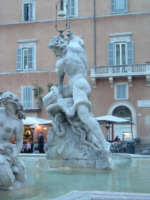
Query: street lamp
[[61, 13]]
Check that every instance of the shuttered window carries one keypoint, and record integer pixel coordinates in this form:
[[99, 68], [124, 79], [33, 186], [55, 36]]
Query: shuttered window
[[121, 91], [120, 53], [72, 8], [27, 97], [28, 10], [119, 6], [61, 4], [25, 60]]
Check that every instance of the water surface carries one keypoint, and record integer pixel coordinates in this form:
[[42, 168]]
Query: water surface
[[43, 183]]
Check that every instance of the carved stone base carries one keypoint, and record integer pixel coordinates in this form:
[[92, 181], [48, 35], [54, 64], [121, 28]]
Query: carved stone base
[[73, 147], [93, 164]]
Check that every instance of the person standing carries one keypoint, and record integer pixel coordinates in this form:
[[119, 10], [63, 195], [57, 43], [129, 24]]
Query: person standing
[[41, 143]]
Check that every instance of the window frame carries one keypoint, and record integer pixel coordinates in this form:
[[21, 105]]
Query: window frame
[[31, 18], [75, 14], [120, 50], [115, 10], [121, 38], [22, 47], [126, 92]]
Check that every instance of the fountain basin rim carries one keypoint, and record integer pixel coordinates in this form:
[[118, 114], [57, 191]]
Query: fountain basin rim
[[123, 155], [96, 195]]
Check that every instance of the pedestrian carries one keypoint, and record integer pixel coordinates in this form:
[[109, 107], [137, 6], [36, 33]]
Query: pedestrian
[[41, 143]]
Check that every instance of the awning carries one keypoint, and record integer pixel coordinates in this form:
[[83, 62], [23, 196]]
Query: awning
[[35, 120], [112, 119]]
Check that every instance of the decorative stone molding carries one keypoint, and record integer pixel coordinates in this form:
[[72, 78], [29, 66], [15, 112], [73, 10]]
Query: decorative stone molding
[[28, 40], [93, 79], [148, 80], [130, 81], [111, 82], [93, 82], [118, 37]]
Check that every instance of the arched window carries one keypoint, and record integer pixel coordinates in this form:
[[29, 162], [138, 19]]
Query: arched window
[[122, 111]]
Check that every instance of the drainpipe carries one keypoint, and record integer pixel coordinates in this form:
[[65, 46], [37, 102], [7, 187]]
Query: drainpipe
[[94, 31]]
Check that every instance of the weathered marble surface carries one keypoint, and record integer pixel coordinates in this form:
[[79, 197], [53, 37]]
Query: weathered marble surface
[[76, 135], [12, 172]]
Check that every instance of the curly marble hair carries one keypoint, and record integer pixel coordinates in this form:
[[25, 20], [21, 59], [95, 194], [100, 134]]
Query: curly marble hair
[[9, 97]]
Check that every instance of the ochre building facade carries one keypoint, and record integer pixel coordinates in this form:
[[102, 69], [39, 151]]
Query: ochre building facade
[[117, 43]]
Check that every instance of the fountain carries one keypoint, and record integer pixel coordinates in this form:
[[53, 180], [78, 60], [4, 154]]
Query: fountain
[[76, 139], [78, 163], [129, 174]]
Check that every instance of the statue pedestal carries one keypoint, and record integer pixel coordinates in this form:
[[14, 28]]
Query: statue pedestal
[[89, 164]]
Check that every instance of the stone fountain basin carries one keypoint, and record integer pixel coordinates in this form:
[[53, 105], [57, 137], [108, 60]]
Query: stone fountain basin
[[128, 179]]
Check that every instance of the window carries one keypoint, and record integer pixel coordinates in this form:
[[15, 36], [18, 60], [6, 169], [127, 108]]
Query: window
[[121, 91], [27, 97], [72, 8], [120, 53], [68, 8], [122, 111], [119, 6], [28, 10], [26, 57]]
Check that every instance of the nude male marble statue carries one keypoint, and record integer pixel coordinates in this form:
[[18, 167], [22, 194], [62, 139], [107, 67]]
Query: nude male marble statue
[[72, 100]]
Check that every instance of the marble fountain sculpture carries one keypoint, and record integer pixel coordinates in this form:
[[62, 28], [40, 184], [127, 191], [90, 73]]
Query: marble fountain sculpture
[[12, 172], [76, 139]]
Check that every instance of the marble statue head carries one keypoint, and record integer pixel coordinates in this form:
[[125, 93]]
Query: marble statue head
[[10, 98], [58, 45]]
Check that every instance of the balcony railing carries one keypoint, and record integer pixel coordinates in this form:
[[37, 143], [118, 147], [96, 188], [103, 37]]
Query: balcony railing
[[120, 70]]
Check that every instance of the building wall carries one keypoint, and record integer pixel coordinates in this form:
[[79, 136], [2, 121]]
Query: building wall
[[136, 21]]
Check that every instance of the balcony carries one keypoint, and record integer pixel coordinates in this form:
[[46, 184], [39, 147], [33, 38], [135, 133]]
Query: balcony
[[128, 71]]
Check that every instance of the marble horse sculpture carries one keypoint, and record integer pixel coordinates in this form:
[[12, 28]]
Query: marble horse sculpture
[[76, 139], [12, 172]]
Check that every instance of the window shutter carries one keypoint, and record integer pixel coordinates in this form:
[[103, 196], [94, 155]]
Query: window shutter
[[72, 8], [126, 5], [119, 6], [31, 58], [19, 60], [111, 54], [68, 8], [118, 91], [30, 11], [130, 53], [121, 91], [76, 7], [27, 97], [113, 5]]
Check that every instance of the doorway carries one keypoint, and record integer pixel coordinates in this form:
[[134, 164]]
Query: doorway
[[124, 131]]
